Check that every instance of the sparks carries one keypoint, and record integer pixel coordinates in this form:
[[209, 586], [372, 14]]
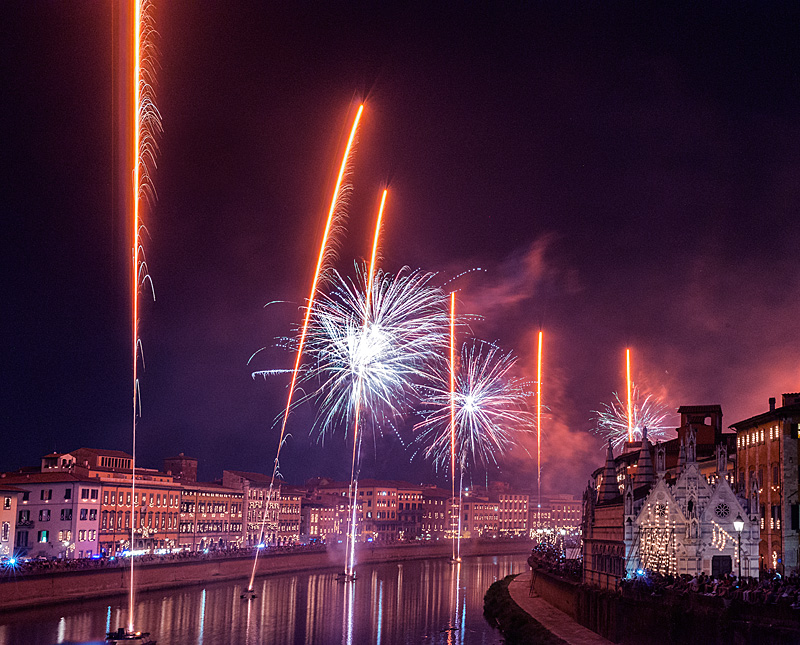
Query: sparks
[[646, 411], [490, 409], [146, 128], [391, 353]]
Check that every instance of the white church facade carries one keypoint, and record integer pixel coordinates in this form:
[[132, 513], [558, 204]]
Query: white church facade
[[689, 526]]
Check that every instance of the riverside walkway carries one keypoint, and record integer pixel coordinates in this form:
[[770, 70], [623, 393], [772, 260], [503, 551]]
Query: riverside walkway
[[557, 622]]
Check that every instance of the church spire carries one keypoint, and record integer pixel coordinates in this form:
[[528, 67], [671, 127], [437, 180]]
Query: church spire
[[644, 468], [609, 489]]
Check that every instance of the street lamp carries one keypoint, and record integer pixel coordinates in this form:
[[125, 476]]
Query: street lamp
[[738, 524]]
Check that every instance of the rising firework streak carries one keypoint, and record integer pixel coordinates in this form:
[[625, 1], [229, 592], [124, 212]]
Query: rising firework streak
[[630, 403], [539, 424], [323, 254], [452, 370], [350, 552], [146, 127]]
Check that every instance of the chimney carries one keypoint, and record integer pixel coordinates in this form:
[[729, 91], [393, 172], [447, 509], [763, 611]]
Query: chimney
[[772, 404]]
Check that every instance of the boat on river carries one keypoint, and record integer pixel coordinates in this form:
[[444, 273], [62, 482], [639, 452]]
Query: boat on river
[[123, 637]]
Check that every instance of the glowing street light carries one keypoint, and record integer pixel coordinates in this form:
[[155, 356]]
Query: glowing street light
[[738, 524]]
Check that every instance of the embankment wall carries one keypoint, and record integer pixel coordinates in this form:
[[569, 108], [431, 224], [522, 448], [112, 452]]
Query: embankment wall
[[67, 586], [662, 620]]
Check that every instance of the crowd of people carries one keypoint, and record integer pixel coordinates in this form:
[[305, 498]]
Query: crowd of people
[[552, 558], [771, 589], [15, 567]]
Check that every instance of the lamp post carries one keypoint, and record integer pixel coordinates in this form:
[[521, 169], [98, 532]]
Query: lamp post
[[738, 524]]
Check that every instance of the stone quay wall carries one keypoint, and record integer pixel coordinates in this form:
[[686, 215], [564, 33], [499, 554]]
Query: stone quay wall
[[69, 586], [668, 620]]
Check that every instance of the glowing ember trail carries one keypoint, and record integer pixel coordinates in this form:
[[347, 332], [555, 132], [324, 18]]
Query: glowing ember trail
[[350, 552], [539, 427], [146, 126], [453, 416], [630, 402], [323, 252]]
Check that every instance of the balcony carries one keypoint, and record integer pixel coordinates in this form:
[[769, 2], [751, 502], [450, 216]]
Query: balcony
[[25, 524]]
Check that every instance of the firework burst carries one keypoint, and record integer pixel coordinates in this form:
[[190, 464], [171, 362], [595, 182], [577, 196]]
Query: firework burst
[[490, 409], [646, 411], [367, 354]]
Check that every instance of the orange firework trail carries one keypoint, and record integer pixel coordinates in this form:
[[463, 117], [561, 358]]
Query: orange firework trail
[[630, 405], [337, 192], [349, 558], [539, 423], [146, 125], [453, 409]]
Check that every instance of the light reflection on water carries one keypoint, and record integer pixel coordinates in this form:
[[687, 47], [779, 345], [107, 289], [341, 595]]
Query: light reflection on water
[[431, 601]]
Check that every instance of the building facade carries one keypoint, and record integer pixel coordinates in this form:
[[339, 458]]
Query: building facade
[[479, 517], [767, 454], [409, 511], [57, 515], [669, 518], [261, 508], [210, 517], [556, 513], [436, 504], [9, 496], [512, 514]]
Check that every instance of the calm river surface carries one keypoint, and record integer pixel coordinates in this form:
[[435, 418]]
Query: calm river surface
[[424, 601]]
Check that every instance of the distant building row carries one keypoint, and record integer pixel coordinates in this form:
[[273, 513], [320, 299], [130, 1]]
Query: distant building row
[[83, 504]]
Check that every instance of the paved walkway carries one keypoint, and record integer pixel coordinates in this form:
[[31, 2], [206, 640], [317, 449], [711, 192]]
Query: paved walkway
[[554, 620]]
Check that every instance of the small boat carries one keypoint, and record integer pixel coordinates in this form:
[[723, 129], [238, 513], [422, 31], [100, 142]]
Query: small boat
[[123, 637]]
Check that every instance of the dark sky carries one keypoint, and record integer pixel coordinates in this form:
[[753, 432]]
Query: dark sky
[[625, 176]]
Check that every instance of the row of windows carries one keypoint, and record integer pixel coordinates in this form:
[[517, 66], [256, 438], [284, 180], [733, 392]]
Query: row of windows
[[114, 462], [88, 535], [776, 476], [757, 437], [89, 514], [210, 507], [208, 527], [156, 499], [152, 520]]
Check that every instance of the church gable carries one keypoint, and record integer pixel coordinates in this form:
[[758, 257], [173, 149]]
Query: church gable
[[692, 490], [660, 507], [723, 507]]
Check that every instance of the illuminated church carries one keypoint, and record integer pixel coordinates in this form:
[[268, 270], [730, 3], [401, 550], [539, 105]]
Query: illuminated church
[[641, 513]]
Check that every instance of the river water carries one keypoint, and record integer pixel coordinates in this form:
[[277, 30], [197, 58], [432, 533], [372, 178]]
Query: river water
[[422, 601]]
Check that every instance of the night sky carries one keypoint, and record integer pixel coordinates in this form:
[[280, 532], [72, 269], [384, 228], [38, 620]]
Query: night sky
[[623, 177]]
